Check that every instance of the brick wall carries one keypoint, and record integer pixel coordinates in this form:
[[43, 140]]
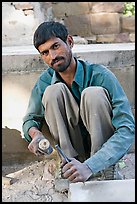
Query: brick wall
[[97, 22]]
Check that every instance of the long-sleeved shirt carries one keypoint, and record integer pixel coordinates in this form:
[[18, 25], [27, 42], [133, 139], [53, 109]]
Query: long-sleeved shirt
[[122, 117]]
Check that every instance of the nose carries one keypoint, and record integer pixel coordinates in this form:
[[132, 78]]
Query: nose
[[52, 54]]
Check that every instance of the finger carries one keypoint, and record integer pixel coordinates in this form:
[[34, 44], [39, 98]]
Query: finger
[[30, 147], [41, 152], [66, 167], [67, 173], [37, 153], [63, 162], [72, 175], [75, 178], [70, 172]]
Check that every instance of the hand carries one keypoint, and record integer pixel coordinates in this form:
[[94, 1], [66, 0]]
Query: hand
[[33, 145], [75, 171]]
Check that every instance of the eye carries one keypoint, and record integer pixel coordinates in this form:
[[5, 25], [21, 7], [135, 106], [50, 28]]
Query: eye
[[55, 46], [45, 53]]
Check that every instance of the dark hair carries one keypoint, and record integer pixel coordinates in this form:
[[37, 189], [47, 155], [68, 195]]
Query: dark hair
[[47, 30]]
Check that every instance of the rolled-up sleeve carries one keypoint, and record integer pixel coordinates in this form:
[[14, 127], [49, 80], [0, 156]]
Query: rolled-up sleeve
[[34, 115], [123, 122]]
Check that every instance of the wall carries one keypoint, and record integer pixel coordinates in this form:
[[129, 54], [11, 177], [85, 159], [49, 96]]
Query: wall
[[97, 22]]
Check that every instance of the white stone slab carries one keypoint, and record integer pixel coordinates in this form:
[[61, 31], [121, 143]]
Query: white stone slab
[[78, 48], [103, 191]]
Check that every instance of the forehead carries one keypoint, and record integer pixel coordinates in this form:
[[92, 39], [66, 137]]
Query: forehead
[[49, 43]]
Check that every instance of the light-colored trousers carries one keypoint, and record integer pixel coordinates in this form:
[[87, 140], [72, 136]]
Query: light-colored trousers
[[62, 115]]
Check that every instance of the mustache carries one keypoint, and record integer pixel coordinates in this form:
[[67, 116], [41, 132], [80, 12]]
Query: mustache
[[56, 60]]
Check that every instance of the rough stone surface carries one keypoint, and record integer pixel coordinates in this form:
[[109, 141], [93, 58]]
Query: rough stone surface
[[33, 182], [31, 185]]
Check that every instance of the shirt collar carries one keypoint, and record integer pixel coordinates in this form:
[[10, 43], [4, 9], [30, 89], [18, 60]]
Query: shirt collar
[[79, 75], [55, 78]]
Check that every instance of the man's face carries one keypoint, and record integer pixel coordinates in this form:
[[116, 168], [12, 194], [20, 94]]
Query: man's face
[[56, 53]]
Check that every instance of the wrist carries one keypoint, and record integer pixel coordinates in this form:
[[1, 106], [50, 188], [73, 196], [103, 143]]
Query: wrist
[[89, 172], [33, 132]]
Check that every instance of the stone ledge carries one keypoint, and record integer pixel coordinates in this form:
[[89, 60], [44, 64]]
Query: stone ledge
[[27, 58]]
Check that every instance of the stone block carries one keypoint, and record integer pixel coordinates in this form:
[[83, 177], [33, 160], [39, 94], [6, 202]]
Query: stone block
[[78, 25], [23, 5], [79, 40], [132, 37], [128, 24], [91, 39], [108, 38], [103, 191], [107, 7], [104, 23], [62, 9], [122, 37], [28, 12]]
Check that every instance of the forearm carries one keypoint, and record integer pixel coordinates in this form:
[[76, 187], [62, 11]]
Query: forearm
[[113, 150], [30, 127]]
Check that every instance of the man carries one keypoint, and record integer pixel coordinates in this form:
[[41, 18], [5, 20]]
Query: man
[[83, 104]]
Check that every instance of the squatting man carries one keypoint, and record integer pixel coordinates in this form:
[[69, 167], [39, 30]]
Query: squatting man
[[83, 104]]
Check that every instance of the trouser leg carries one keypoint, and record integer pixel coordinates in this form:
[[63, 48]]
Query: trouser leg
[[62, 116], [96, 112]]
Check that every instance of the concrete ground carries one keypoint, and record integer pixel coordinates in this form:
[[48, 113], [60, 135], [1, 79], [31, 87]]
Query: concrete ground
[[35, 181]]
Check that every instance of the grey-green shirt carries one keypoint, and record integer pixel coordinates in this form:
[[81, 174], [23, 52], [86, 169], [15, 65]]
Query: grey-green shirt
[[122, 117]]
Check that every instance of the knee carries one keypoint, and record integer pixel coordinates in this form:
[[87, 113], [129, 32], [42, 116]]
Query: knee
[[95, 91], [53, 92], [94, 94]]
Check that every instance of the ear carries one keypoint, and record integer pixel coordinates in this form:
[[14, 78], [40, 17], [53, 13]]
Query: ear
[[70, 41]]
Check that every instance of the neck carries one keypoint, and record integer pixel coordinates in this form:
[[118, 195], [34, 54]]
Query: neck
[[69, 73]]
